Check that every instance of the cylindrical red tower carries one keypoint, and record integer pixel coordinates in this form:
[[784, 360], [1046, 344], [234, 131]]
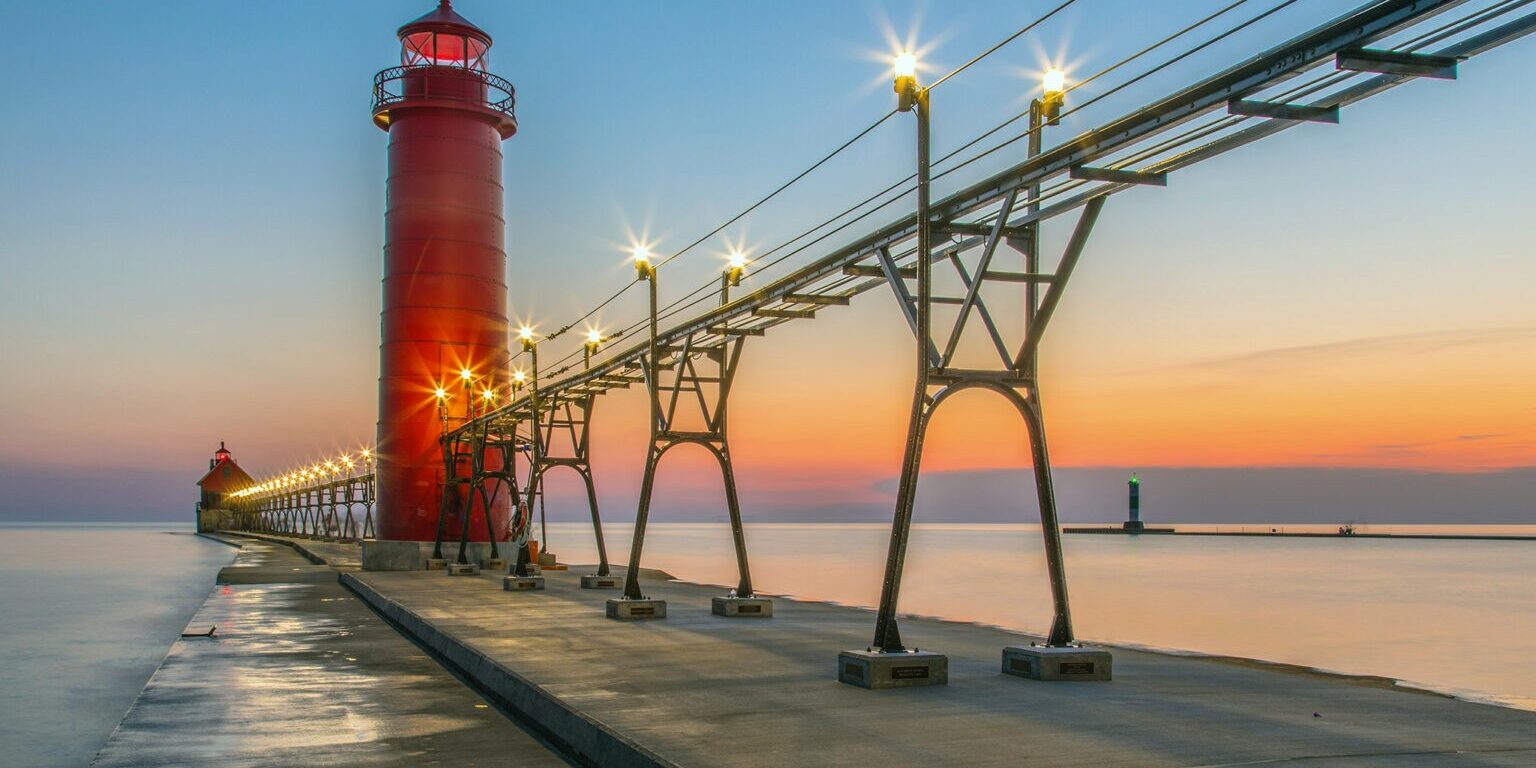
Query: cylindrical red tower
[[444, 323]]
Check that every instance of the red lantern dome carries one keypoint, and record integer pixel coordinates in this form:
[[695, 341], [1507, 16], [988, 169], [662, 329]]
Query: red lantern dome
[[443, 38]]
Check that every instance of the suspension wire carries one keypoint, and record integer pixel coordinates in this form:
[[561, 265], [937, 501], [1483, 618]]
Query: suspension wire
[[1095, 76], [749, 209], [694, 298], [1424, 39], [1318, 82], [828, 157], [1003, 42], [1123, 62], [993, 130], [1122, 86]]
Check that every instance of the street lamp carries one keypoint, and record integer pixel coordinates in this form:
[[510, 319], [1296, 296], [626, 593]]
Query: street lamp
[[643, 268], [735, 267], [441, 393], [1053, 82], [594, 339], [905, 68]]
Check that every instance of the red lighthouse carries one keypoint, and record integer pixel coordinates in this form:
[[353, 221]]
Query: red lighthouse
[[444, 324]]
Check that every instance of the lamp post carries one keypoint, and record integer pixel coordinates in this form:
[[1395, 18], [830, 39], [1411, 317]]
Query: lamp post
[[911, 97], [535, 461], [369, 486], [646, 271], [622, 606], [1043, 111]]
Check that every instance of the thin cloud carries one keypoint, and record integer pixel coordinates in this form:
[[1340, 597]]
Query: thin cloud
[[1399, 345]]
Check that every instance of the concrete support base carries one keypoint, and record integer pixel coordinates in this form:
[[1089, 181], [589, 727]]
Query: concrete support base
[[753, 607], [463, 569], [1038, 662], [906, 669], [547, 558], [521, 583], [494, 564], [625, 609], [436, 563], [593, 581], [531, 569]]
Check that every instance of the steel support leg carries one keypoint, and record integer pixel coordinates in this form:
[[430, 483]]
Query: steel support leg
[[1050, 527], [738, 536], [632, 577], [887, 635], [597, 524]]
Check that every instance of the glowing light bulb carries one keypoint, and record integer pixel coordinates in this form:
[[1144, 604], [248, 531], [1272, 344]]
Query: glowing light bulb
[[525, 333], [1054, 81], [442, 394], [594, 337], [642, 255], [905, 64], [489, 395], [465, 374], [367, 452], [738, 260], [519, 376]]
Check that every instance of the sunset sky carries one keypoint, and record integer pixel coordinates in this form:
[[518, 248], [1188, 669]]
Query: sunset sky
[[191, 206]]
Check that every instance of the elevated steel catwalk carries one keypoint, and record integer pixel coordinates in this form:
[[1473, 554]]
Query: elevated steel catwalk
[[1139, 148]]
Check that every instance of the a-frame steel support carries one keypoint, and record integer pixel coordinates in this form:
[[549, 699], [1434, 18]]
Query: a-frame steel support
[[1013, 377], [563, 420], [695, 379]]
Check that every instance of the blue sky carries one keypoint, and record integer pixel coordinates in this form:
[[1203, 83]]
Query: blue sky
[[191, 218]]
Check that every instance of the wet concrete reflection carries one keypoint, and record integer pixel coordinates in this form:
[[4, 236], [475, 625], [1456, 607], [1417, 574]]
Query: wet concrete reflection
[[299, 672]]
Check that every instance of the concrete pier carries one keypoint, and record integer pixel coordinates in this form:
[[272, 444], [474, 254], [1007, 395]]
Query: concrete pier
[[698, 689], [298, 672]]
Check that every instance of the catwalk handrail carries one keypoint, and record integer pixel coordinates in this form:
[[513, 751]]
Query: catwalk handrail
[[1280, 63]]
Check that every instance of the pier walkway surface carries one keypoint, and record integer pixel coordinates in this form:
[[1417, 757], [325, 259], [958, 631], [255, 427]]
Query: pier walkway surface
[[700, 690], [300, 673]]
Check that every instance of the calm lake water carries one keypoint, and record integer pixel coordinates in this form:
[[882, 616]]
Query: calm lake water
[[1453, 616], [87, 613]]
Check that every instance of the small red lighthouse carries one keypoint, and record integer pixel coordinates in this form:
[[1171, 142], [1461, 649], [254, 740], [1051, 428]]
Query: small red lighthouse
[[444, 324], [224, 476]]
